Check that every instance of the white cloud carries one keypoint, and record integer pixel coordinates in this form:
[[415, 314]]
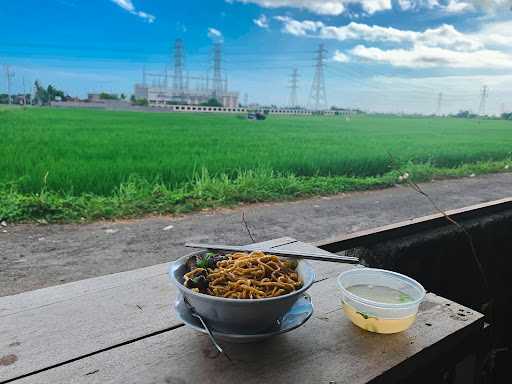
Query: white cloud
[[455, 6], [324, 7], [299, 28], [372, 6], [405, 5], [426, 57], [261, 21], [443, 36], [443, 46], [127, 5], [149, 18], [496, 34], [340, 57], [337, 7], [215, 34]]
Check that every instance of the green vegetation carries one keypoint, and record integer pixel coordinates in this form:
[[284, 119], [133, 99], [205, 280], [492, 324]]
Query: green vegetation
[[108, 96], [506, 116], [139, 102], [212, 103], [60, 165], [45, 96]]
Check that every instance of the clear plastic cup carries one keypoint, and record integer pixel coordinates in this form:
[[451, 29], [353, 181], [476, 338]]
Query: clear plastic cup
[[380, 316]]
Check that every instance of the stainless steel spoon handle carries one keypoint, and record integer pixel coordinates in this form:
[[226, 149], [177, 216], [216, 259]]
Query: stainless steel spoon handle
[[208, 330], [210, 334]]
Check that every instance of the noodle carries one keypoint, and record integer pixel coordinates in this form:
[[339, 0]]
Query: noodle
[[249, 276]]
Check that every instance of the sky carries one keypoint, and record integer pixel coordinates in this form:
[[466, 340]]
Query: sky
[[382, 55]]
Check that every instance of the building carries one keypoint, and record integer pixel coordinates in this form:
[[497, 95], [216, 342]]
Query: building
[[161, 95]]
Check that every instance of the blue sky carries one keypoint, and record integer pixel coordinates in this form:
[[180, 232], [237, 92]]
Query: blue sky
[[383, 55]]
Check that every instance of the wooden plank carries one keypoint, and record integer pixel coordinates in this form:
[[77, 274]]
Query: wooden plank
[[70, 328], [405, 228], [54, 325], [42, 297], [326, 349], [46, 296]]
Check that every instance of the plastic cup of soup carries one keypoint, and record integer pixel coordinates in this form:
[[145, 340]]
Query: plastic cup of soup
[[378, 300]]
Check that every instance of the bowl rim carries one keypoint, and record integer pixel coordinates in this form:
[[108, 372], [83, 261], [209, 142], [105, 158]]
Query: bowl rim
[[378, 304], [180, 261]]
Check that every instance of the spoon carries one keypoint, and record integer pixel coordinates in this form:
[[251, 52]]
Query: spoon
[[205, 325]]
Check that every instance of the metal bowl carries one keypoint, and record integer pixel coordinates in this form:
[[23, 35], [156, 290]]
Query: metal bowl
[[245, 315]]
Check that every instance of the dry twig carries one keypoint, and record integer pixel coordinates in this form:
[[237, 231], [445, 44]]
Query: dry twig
[[247, 227], [414, 186]]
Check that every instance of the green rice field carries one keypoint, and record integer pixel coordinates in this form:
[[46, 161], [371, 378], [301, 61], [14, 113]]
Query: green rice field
[[73, 154]]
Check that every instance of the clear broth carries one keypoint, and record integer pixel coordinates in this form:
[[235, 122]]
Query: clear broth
[[380, 294]]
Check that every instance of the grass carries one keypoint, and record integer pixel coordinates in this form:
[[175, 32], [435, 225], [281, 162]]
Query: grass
[[62, 165]]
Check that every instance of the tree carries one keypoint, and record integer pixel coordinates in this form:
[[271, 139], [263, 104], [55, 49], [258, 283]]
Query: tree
[[465, 115], [123, 96], [41, 95], [140, 102], [213, 102], [46, 96], [108, 96], [53, 93]]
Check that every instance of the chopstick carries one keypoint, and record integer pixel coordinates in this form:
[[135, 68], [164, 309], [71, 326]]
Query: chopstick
[[289, 253]]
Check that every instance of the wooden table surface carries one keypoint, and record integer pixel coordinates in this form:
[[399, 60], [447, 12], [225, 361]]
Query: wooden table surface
[[122, 328]]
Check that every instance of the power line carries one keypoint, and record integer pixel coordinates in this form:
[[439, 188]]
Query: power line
[[294, 86], [178, 84], [24, 91], [483, 98], [9, 75], [439, 103], [217, 69], [318, 97]]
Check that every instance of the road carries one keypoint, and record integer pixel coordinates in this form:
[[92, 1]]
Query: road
[[36, 256]]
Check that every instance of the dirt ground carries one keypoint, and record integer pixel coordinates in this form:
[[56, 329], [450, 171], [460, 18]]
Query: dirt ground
[[36, 256]]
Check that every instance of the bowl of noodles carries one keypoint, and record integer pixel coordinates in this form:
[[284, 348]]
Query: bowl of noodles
[[241, 292]]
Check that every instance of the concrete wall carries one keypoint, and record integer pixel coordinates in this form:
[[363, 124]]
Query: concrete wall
[[126, 106]]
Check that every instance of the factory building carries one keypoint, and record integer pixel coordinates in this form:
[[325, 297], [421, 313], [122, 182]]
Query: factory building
[[161, 95], [155, 87]]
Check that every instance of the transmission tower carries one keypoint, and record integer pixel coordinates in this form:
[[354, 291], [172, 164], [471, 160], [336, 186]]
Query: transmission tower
[[178, 84], [483, 99], [217, 69], [317, 97], [24, 91], [439, 103], [294, 86], [9, 75], [166, 77]]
